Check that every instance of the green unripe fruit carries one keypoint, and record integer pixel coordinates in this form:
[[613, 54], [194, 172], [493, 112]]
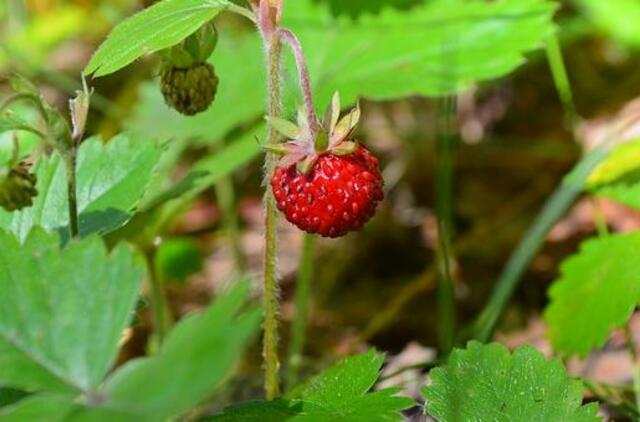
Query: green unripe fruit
[[189, 90], [17, 189]]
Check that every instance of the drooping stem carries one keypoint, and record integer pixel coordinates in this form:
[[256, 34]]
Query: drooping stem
[[444, 199], [303, 73], [635, 362], [303, 295], [271, 304]]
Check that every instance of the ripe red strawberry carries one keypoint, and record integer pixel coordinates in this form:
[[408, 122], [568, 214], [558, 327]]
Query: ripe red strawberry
[[337, 195], [325, 182]]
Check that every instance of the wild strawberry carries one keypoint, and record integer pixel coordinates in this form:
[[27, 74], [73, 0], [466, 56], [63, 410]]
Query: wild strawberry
[[326, 183], [189, 90], [17, 188], [187, 82]]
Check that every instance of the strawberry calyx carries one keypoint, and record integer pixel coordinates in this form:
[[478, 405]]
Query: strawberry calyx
[[307, 141]]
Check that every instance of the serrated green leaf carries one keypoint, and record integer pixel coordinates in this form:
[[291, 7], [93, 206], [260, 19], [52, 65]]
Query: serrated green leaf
[[44, 345], [597, 292], [352, 377], [195, 358], [486, 383], [617, 18], [338, 393], [111, 180], [160, 26]]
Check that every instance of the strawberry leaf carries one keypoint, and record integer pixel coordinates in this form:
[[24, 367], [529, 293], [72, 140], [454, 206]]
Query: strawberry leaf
[[160, 26], [340, 392], [485, 382], [597, 292]]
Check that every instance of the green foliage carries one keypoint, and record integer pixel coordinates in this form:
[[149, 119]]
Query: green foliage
[[485, 382], [441, 47], [178, 258], [617, 18], [111, 180], [356, 8], [618, 177], [160, 26], [62, 312], [438, 48], [339, 393], [597, 292], [195, 359]]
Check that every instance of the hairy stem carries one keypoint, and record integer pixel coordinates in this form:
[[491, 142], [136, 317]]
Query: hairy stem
[[444, 199], [271, 304], [303, 295], [303, 73]]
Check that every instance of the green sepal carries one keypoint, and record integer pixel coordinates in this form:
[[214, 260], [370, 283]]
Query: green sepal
[[284, 127], [321, 143], [345, 148]]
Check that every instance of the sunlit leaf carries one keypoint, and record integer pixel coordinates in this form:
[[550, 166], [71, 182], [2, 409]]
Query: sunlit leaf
[[111, 180], [486, 383], [160, 26], [339, 393], [62, 312], [597, 292]]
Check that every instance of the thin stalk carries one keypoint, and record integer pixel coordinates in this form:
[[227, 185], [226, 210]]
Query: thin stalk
[[561, 79], [70, 158], [635, 362], [271, 304], [444, 200], [553, 210], [302, 299], [303, 74], [612, 395]]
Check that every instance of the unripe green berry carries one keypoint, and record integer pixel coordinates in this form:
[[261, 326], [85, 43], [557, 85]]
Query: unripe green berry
[[189, 90], [17, 189]]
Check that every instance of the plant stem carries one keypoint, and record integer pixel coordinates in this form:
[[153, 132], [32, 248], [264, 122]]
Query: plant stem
[[161, 315], [444, 199], [553, 210], [303, 73], [302, 298], [635, 362], [561, 79], [70, 157], [271, 304], [225, 192]]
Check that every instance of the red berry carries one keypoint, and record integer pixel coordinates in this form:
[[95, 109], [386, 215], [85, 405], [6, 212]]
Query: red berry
[[337, 195]]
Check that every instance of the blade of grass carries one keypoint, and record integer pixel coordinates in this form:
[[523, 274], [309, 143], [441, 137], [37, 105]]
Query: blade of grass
[[444, 200]]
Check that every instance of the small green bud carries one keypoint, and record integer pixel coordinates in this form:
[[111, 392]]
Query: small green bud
[[189, 90], [17, 188]]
